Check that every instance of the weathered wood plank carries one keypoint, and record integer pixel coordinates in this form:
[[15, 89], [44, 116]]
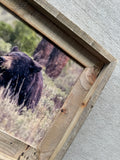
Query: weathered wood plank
[[73, 30], [10, 146], [66, 119], [48, 28], [80, 101], [99, 85], [13, 149]]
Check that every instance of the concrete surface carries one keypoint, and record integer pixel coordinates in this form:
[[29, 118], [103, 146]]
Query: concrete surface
[[99, 137]]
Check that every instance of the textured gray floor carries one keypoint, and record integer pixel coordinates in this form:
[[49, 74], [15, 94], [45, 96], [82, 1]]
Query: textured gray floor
[[99, 138]]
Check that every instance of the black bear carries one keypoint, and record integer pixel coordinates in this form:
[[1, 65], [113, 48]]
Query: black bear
[[21, 79]]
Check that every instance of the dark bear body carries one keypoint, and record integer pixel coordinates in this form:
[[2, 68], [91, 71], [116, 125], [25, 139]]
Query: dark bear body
[[21, 78]]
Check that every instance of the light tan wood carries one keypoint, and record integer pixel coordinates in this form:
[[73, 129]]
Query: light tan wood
[[13, 149], [99, 85], [66, 121], [88, 78], [79, 103]]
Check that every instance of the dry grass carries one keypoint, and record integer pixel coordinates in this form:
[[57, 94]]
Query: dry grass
[[28, 127], [31, 127]]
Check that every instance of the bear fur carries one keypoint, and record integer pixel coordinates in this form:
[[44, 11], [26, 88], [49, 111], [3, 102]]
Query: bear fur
[[21, 79]]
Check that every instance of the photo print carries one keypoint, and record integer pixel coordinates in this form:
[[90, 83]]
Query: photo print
[[36, 77]]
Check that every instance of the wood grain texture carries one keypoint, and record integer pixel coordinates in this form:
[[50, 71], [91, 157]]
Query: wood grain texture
[[98, 85], [50, 29], [65, 122], [80, 101], [72, 29], [13, 149]]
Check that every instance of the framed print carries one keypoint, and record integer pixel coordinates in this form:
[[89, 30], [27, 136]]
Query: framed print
[[51, 74]]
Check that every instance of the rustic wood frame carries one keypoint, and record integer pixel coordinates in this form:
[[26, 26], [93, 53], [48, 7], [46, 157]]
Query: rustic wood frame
[[83, 49]]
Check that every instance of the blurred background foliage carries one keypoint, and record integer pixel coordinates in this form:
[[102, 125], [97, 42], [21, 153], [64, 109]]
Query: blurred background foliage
[[18, 34], [4, 47]]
